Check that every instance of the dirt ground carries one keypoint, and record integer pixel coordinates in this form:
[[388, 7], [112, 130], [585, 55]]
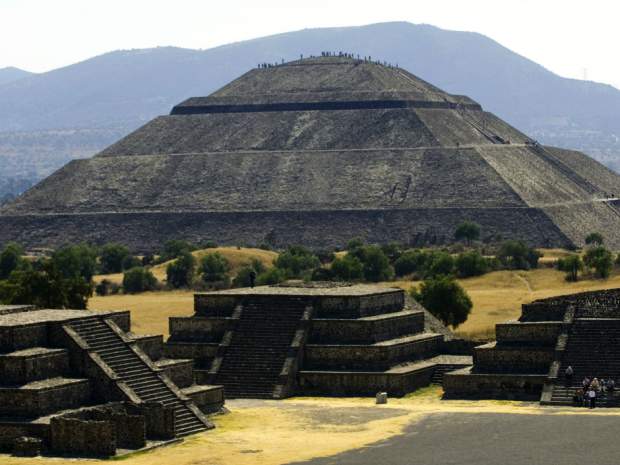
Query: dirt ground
[[279, 432]]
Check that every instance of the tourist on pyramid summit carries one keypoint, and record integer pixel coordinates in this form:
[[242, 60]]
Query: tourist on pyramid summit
[[596, 385], [578, 397], [611, 386], [568, 375]]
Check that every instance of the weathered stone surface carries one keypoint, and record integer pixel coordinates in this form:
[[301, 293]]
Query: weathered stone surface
[[316, 152]]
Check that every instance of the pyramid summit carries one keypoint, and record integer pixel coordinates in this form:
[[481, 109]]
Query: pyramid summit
[[315, 152]]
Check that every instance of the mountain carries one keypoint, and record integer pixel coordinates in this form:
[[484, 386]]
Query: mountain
[[112, 94], [11, 74]]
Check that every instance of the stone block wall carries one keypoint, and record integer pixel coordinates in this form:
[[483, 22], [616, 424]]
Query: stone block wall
[[492, 358], [536, 333], [367, 331], [32, 365], [83, 437]]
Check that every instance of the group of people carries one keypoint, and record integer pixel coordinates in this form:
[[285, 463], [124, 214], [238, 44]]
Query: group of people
[[591, 389]]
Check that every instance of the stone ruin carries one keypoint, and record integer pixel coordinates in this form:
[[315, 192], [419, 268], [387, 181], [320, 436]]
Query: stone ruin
[[315, 339], [530, 356], [315, 152], [75, 382]]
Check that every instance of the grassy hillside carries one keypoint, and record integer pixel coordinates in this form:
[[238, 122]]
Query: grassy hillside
[[237, 258], [497, 296]]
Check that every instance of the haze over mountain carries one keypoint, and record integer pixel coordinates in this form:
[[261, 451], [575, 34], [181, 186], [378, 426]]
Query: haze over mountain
[[11, 74], [49, 118]]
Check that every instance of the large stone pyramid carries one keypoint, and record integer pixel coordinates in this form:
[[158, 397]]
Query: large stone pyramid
[[318, 151]]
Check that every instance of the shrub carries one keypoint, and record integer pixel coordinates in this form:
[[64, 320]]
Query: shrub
[[131, 262], [376, 265], [595, 239], [138, 279], [210, 245], [325, 256], [214, 267], [438, 264], [243, 278], [296, 262], [467, 231], [411, 261], [175, 248], [572, 265], [322, 274], [516, 255], [392, 251], [180, 273], [111, 258], [347, 268], [471, 264], [106, 287], [445, 299], [601, 260], [11, 259], [271, 276]]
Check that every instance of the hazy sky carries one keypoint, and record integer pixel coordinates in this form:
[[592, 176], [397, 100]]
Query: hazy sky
[[568, 37]]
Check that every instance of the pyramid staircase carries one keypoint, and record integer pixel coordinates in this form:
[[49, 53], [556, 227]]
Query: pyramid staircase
[[259, 348], [138, 375], [591, 350]]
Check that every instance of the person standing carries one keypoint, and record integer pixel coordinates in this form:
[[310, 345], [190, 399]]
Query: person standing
[[568, 376], [592, 397]]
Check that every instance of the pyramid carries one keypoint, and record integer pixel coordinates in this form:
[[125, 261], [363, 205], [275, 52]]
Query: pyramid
[[315, 152]]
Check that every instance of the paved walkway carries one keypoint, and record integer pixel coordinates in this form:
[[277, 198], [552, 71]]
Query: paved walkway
[[494, 438]]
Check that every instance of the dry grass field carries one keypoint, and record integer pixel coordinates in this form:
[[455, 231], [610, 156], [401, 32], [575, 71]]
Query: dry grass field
[[497, 296]]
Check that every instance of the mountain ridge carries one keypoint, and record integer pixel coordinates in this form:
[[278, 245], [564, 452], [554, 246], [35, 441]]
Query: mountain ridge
[[116, 92]]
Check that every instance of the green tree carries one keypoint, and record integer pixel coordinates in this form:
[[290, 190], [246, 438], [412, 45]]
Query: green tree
[[411, 261], [180, 273], [601, 260], [78, 260], [138, 279], [468, 231], [393, 251], [45, 286], [376, 265], [595, 239], [131, 262], [243, 278], [111, 258], [471, 263], [175, 248], [271, 276], [11, 259], [440, 263], [571, 265], [445, 299], [297, 262], [214, 268], [516, 255], [347, 268]]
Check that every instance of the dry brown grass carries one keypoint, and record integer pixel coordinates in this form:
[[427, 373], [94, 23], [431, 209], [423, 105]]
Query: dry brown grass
[[149, 311], [498, 296]]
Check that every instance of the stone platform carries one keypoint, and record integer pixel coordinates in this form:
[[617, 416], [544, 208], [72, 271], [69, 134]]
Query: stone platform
[[78, 382], [530, 355], [318, 338]]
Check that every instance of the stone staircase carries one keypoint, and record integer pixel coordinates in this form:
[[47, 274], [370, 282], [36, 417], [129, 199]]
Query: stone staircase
[[440, 370], [252, 363], [145, 382], [592, 350]]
